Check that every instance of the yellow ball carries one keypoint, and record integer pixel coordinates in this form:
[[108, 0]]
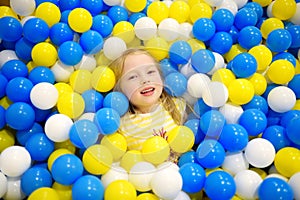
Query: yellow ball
[[196, 44], [297, 105], [49, 12], [103, 79], [155, 150], [7, 139], [287, 161], [158, 7], [281, 71], [241, 91], [180, 11], [54, 155], [116, 143], [5, 102], [65, 145], [135, 5], [97, 159], [234, 51], [297, 68], [63, 191], [80, 80], [263, 3], [120, 189], [263, 56], [158, 47], [44, 193], [147, 196], [181, 139], [224, 76], [130, 158], [71, 104], [284, 9], [260, 172], [80, 20], [44, 54], [63, 88], [124, 30], [6, 11], [259, 83], [194, 2], [200, 10], [270, 25]]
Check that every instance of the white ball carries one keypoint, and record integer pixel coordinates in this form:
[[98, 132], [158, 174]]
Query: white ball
[[216, 94], [145, 28], [140, 175], [14, 190], [7, 55], [44, 95], [112, 2], [219, 63], [182, 196], [260, 153], [234, 163], [229, 5], [281, 99], [187, 70], [25, 19], [87, 62], [185, 31], [240, 3], [89, 116], [113, 47], [166, 183], [61, 71], [214, 3], [275, 175], [269, 10], [197, 84], [3, 184], [231, 112], [14, 161], [296, 17], [167, 165], [25, 8], [57, 127], [247, 183], [168, 29], [294, 182], [113, 174]]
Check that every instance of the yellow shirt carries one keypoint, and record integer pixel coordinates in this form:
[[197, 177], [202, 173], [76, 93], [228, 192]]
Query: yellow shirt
[[138, 127]]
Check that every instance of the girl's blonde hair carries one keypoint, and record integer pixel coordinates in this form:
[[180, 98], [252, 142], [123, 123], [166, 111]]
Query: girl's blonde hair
[[118, 65]]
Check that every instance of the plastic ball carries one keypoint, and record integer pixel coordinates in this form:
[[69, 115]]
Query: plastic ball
[[254, 121], [260, 153], [204, 29], [113, 47], [281, 99], [23, 49], [249, 37], [257, 102], [187, 157], [244, 65], [25, 9], [180, 52], [210, 154], [54, 155], [181, 139], [247, 184], [116, 143], [91, 42], [147, 196], [223, 75], [220, 185], [120, 189], [158, 7], [223, 19], [279, 45], [71, 104], [235, 162], [286, 56], [3, 182], [70, 53], [35, 178], [57, 127], [200, 108], [41, 74], [11, 29], [278, 188], [277, 136], [292, 129], [145, 28], [102, 24], [124, 30], [107, 120], [37, 26], [14, 161], [259, 83], [23, 136], [221, 42], [241, 91], [269, 25], [80, 20], [263, 56], [135, 6], [44, 193], [93, 100], [168, 29], [288, 116], [293, 182], [281, 71], [87, 187], [80, 80], [287, 161], [44, 54], [175, 84], [245, 17], [117, 13], [44, 95], [203, 61], [216, 95], [212, 123], [200, 10], [294, 29], [193, 176], [157, 47], [117, 101], [93, 6], [284, 9], [180, 11], [61, 71], [113, 174], [49, 12], [6, 55], [201, 81], [18, 89], [234, 137]]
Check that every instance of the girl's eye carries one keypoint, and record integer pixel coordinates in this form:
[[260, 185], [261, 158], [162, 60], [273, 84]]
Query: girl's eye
[[132, 77], [151, 71]]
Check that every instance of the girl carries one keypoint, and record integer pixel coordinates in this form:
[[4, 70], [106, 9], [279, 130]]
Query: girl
[[152, 111]]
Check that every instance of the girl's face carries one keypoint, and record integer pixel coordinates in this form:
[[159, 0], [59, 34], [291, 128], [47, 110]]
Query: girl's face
[[141, 82]]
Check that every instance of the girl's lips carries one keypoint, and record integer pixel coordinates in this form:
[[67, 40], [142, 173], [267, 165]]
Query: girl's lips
[[148, 91]]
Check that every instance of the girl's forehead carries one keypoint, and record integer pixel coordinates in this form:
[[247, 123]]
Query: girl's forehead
[[137, 61]]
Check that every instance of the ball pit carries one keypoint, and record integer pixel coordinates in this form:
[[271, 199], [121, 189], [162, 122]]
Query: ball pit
[[236, 63]]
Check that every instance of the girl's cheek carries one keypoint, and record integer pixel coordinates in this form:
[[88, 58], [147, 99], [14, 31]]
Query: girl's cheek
[[129, 89]]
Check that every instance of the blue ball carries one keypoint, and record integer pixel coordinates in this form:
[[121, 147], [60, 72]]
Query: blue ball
[[180, 52], [68, 4], [18, 89], [256, 7], [91, 42], [19, 116], [64, 16], [41, 74], [268, 89], [24, 135], [167, 67], [200, 107], [103, 25], [135, 16], [39, 146], [254, 121], [210, 154], [234, 137], [70, 53], [11, 29], [3, 84], [175, 84], [83, 133], [193, 177], [292, 130], [2, 117], [294, 31], [220, 185], [187, 157], [35, 178], [212, 123], [66, 169], [60, 33], [117, 101], [288, 116], [273, 117], [223, 19], [203, 29], [23, 49], [35, 30], [257, 102], [245, 17], [285, 56], [88, 187], [244, 65], [41, 115], [279, 40], [14, 68], [107, 120], [93, 6], [275, 188], [203, 60], [234, 32], [93, 100], [277, 136], [249, 37], [221, 42], [117, 13], [194, 125]]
